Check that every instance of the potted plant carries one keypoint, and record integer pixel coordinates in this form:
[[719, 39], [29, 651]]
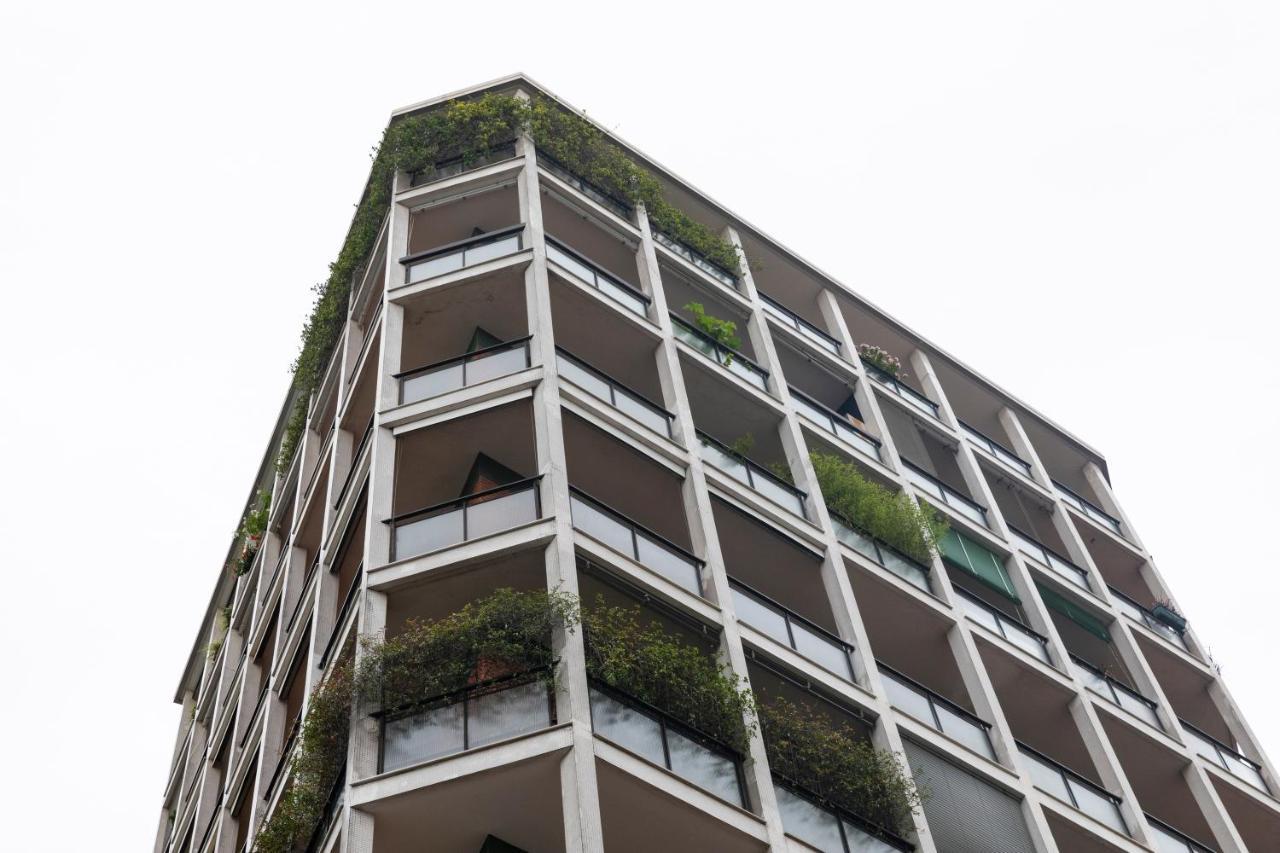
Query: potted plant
[[882, 359], [1164, 612], [251, 529]]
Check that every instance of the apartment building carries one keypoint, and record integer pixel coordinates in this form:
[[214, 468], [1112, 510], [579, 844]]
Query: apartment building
[[525, 392]]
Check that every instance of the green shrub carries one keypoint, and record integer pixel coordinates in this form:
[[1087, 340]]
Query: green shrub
[[723, 332]]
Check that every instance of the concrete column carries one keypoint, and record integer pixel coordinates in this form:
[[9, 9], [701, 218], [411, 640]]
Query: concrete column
[[1215, 813]]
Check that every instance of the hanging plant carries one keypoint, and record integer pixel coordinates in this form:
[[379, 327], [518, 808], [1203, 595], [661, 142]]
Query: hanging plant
[[881, 358]]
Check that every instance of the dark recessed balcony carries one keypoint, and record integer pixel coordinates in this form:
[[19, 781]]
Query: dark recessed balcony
[[792, 630], [465, 518], [997, 450], [1245, 769], [728, 358], [835, 423], [599, 195], [936, 489], [752, 475], [696, 258], [910, 570], [1013, 630], [1066, 785], [1089, 509], [469, 252], [801, 326], [937, 712], [604, 387], [453, 166], [649, 549], [911, 396], [1045, 556], [1117, 693], [595, 276], [462, 371]]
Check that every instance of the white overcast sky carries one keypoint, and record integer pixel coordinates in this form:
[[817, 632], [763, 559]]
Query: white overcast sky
[[1079, 199]]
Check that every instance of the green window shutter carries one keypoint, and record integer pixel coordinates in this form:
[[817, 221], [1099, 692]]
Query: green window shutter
[[978, 560], [1074, 612]]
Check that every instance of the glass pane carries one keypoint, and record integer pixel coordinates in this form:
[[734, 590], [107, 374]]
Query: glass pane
[[496, 249], [905, 569], [428, 534], [726, 463], [965, 730], [1166, 843], [907, 700], [501, 512], [584, 379], [786, 318], [626, 297], [627, 727], [860, 842], [602, 526], [1047, 778], [973, 513], [495, 364], [1094, 682], [821, 650], [424, 385], [1027, 642], [571, 264], [674, 567], [823, 342], [779, 494], [1245, 771], [764, 619], [1099, 807], [812, 412], [980, 614], [1068, 571], [694, 340], [704, 768], [643, 413], [432, 267], [1137, 707], [858, 440], [809, 823], [1205, 748], [747, 372], [507, 713], [422, 737], [856, 540]]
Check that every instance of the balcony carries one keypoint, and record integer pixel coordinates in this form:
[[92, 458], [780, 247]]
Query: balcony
[[1018, 634], [937, 712], [792, 630], [465, 370], [913, 572], [604, 387], [695, 258], [1089, 509], [835, 423], [462, 254], [938, 490], [905, 392], [752, 475], [454, 166], [596, 277], [997, 450], [1216, 752], [649, 549], [478, 715], [656, 737], [465, 518], [826, 828], [1169, 840], [1142, 615], [1073, 789], [599, 195], [1115, 692], [801, 326], [1061, 566], [730, 359]]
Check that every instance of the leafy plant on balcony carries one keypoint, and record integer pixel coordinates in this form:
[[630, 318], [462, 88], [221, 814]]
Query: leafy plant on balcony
[[881, 358], [221, 622], [723, 332], [892, 517], [835, 763], [252, 527], [677, 677]]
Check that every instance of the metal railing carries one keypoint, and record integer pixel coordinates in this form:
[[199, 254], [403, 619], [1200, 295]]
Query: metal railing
[[996, 449], [1138, 613], [464, 518], [730, 359], [594, 275], [354, 464], [1120, 695], [332, 810], [825, 826], [1073, 789], [461, 254], [651, 550], [907, 568], [302, 597], [754, 476], [913, 397], [596, 193], [348, 601], [807, 330], [1018, 634], [1089, 508], [370, 329], [693, 256], [1169, 840], [659, 738], [927, 482], [257, 710], [792, 630], [1051, 559], [461, 371], [914, 699], [282, 764], [474, 716], [447, 168], [1209, 747], [601, 385], [835, 423]]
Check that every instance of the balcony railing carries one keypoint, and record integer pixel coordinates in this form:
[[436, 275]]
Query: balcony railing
[[1073, 789], [730, 359], [1170, 840], [465, 518], [937, 712], [477, 715], [355, 460], [348, 601], [599, 384], [1089, 508], [998, 450], [1118, 694], [457, 165], [913, 397], [792, 630], [653, 735], [607, 525], [593, 275], [1138, 613], [1045, 556], [286, 752], [462, 254], [332, 809], [806, 329], [696, 258], [1034, 644], [971, 510], [835, 423], [825, 827], [1244, 769], [873, 549], [599, 195], [461, 371], [752, 475]]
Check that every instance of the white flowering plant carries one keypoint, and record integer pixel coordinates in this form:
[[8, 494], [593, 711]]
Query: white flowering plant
[[881, 358]]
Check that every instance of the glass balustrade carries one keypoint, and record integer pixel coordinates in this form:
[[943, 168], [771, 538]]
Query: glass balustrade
[[594, 276], [792, 630], [827, 829], [599, 195], [1169, 840], [1225, 757], [998, 450], [935, 488], [457, 165], [752, 475], [1116, 693], [613, 392], [806, 329], [835, 423], [464, 370], [463, 254], [731, 360], [484, 714], [1089, 508], [1012, 630], [1073, 789], [656, 737], [465, 518], [612, 528], [696, 258], [908, 394], [918, 701], [1138, 613], [876, 551], [1060, 565]]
